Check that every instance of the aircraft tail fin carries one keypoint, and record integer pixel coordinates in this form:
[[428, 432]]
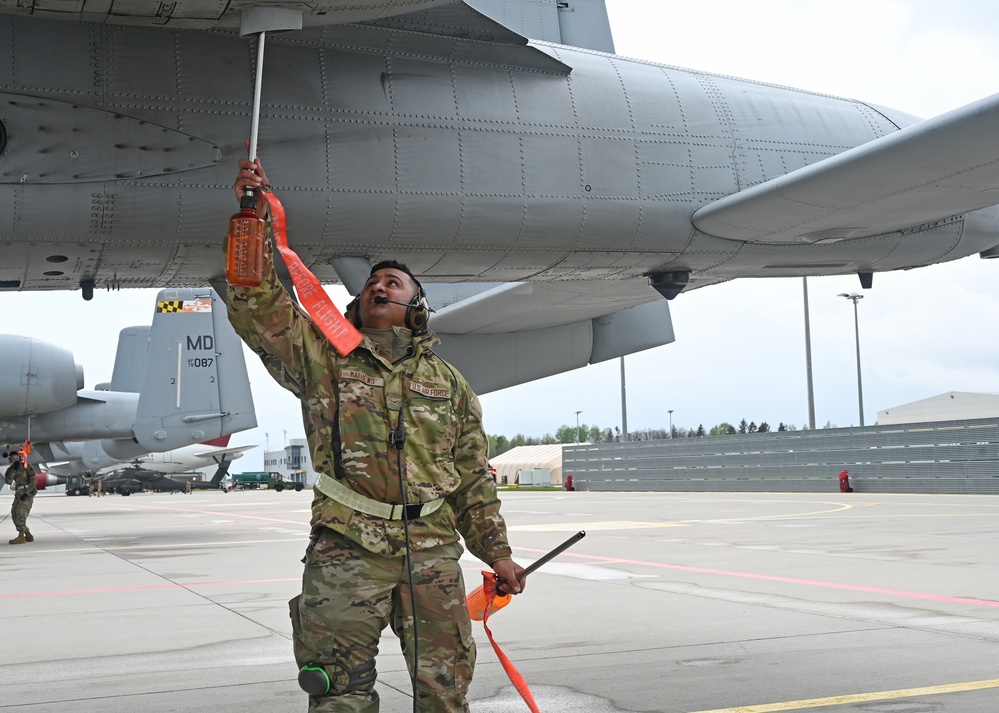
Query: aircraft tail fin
[[577, 23], [129, 361], [195, 386]]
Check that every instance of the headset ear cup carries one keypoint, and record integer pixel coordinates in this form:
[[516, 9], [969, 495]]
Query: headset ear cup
[[418, 313], [353, 312]]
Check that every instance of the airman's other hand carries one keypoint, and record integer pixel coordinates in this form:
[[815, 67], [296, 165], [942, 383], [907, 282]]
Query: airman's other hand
[[509, 572]]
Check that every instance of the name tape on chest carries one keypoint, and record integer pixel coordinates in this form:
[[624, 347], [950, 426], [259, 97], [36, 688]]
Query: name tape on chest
[[430, 391], [356, 375]]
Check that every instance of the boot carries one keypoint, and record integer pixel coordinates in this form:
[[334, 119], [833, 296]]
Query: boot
[[28, 537], [19, 540]]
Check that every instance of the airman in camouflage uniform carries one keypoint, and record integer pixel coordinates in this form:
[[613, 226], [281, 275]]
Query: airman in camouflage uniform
[[21, 479], [356, 579]]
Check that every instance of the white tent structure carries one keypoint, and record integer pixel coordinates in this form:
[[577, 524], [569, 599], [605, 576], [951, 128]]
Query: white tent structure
[[529, 465], [951, 406]]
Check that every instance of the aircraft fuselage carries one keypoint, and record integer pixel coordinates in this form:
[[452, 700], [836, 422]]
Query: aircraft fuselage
[[121, 150]]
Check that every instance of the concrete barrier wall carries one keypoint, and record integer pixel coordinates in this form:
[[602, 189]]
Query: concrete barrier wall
[[938, 457]]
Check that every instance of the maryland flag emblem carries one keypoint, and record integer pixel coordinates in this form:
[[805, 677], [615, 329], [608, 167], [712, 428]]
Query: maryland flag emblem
[[169, 306], [195, 305]]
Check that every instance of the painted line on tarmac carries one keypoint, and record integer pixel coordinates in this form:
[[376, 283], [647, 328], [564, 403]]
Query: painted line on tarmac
[[145, 587], [600, 560], [97, 547], [594, 526], [836, 508], [131, 506], [860, 698]]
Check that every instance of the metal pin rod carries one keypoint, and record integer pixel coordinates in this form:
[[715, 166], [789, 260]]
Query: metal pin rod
[[255, 118]]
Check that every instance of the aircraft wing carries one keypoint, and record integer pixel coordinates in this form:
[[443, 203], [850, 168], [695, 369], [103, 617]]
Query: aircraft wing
[[449, 29], [520, 306], [511, 333], [514, 20], [233, 452], [206, 14], [925, 173]]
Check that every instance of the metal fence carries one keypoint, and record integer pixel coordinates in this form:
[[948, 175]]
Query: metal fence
[[938, 457]]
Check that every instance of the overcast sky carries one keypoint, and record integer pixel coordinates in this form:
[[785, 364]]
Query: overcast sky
[[739, 350]]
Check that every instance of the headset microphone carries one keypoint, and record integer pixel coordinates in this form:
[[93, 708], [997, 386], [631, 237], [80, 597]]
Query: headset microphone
[[417, 310], [382, 300]]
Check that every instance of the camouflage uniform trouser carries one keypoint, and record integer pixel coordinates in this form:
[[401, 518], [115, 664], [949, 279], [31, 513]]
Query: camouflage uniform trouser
[[20, 508], [349, 595]]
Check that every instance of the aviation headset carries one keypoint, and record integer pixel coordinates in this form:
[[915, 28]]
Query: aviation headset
[[417, 311]]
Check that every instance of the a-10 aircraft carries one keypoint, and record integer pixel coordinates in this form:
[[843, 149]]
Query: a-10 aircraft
[[151, 471], [178, 383], [185, 459], [552, 191]]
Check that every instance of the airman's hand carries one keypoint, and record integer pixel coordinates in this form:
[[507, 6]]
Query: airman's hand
[[251, 175], [508, 573]]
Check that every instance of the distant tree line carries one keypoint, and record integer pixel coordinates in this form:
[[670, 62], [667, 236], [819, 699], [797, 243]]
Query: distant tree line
[[596, 434]]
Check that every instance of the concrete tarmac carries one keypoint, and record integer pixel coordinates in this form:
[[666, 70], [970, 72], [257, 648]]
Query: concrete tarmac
[[673, 602]]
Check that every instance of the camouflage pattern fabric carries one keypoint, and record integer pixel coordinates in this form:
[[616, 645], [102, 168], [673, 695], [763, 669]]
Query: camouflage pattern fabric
[[21, 479], [350, 405], [355, 580], [332, 631]]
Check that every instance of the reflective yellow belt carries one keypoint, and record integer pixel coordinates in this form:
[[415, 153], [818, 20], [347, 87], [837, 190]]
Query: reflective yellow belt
[[335, 490]]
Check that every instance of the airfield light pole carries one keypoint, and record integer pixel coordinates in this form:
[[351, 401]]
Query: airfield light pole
[[808, 359], [855, 297], [670, 422], [577, 426], [624, 406]]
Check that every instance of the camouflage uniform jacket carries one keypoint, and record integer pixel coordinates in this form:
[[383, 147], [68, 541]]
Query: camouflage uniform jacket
[[349, 407], [20, 477]]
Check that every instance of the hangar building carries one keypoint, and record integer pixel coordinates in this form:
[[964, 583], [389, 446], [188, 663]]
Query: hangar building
[[951, 406]]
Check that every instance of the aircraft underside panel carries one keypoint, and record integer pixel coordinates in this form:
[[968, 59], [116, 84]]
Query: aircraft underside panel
[[73, 143], [485, 162]]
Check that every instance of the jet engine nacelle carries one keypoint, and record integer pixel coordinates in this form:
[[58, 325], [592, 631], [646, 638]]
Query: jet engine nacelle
[[93, 457], [44, 479], [119, 449], [38, 377]]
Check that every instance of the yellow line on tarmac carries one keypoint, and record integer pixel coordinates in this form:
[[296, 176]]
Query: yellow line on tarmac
[[860, 698], [573, 526], [836, 507]]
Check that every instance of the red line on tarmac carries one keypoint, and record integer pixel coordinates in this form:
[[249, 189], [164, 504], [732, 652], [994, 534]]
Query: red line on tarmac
[[214, 513], [597, 559], [177, 585]]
